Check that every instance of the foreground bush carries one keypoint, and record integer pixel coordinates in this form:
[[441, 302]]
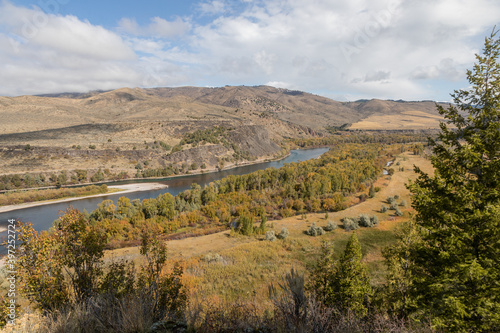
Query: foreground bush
[[62, 273], [270, 236]]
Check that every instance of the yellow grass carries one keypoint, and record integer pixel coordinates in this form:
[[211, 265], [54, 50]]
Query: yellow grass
[[405, 120]]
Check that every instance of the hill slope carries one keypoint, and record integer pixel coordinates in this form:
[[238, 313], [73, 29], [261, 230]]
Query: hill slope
[[119, 128]]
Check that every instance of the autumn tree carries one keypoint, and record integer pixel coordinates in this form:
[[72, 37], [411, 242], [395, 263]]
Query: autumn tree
[[459, 207], [82, 249], [40, 273]]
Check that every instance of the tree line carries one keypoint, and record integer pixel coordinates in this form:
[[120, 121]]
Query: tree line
[[322, 184]]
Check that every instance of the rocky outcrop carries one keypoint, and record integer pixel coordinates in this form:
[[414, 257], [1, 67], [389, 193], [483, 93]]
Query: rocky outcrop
[[254, 140]]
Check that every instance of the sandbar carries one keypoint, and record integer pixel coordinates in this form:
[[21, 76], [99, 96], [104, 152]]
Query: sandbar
[[127, 188]]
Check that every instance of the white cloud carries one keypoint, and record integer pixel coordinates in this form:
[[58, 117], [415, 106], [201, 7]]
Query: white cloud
[[44, 53], [355, 48], [213, 7], [394, 45], [65, 34], [158, 27]]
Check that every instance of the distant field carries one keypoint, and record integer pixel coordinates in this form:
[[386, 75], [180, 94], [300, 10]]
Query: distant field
[[405, 120]]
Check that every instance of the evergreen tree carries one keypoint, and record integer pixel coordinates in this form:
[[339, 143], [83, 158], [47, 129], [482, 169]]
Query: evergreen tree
[[323, 275], [263, 221], [245, 225], [371, 191], [345, 283], [351, 283], [458, 280], [399, 289]]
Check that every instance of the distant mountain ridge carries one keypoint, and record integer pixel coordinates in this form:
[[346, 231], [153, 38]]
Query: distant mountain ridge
[[230, 103]]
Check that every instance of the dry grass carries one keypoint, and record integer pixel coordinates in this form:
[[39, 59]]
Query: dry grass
[[19, 197], [406, 120]]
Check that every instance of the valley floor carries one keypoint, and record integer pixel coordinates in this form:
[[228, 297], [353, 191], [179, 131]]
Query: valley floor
[[250, 263]]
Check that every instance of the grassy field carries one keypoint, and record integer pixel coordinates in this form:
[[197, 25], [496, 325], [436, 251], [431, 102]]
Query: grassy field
[[224, 268], [404, 120]]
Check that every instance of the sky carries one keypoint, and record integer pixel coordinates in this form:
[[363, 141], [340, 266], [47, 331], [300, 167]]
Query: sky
[[341, 49]]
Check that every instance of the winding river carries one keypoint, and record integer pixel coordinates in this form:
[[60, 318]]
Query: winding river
[[42, 217]]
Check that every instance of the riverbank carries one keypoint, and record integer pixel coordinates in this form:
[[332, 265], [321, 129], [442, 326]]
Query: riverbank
[[133, 187], [118, 189]]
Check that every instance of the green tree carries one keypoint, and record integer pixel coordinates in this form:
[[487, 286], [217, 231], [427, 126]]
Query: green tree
[[345, 283], [400, 298], [351, 285], [371, 191], [263, 221], [245, 225], [323, 275], [459, 207], [124, 207]]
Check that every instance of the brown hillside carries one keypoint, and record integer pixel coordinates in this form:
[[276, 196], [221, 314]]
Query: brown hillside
[[121, 125]]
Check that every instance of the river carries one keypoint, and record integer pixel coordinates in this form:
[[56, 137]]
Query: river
[[42, 217]]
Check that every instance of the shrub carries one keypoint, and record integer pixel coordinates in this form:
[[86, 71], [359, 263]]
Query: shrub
[[315, 230], [390, 200], [270, 236], [398, 212], [213, 257], [330, 226], [364, 221], [394, 206], [371, 192], [403, 203], [63, 269], [283, 233], [396, 197], [374, 220], [92, 146], [350, 224], [383, 209]]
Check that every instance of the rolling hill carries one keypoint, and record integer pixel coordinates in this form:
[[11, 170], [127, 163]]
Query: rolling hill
[[119, 128]]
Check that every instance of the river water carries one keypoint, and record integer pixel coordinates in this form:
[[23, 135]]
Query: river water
[[42, 217]]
